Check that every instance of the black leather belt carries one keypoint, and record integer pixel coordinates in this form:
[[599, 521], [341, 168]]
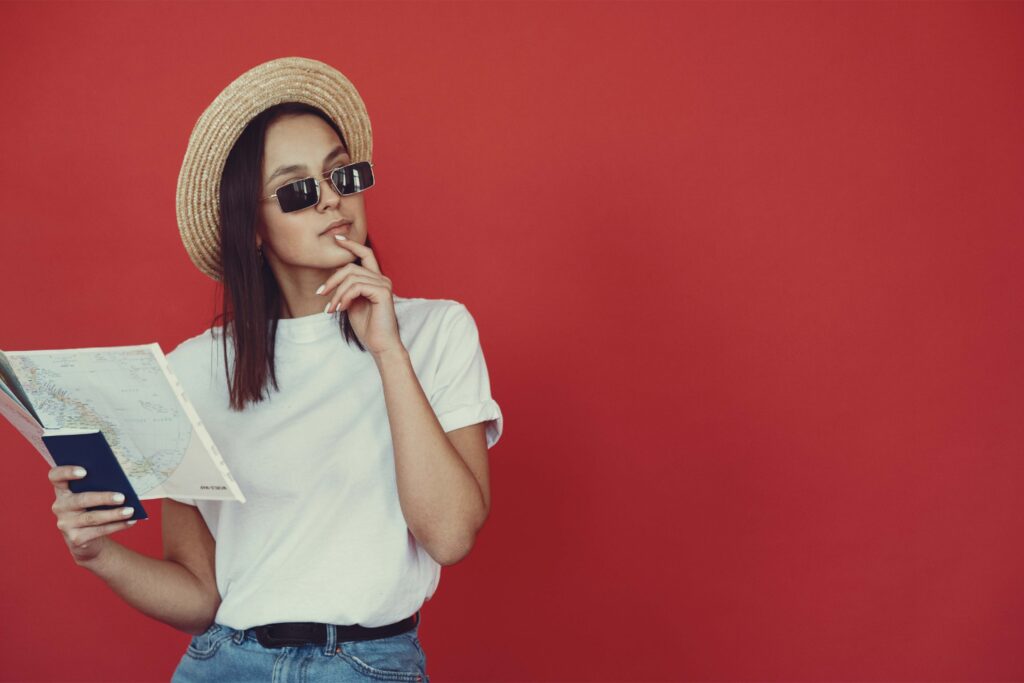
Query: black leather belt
[[309, 632]]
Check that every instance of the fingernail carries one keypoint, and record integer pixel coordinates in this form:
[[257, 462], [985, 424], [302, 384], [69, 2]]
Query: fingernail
[[127, 512], [132, 521], [118, 497], [340, 237], [79, 472], [326, 308], [322, 288]]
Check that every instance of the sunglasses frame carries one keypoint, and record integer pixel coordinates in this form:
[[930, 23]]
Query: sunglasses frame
[[326, 175]]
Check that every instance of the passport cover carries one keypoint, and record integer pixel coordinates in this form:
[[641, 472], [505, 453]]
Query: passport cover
[[103, 471]]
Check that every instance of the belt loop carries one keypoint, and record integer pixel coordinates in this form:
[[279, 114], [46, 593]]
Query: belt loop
[[332, 635]]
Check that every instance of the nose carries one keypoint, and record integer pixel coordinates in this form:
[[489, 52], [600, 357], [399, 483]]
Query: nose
[[328, 195]]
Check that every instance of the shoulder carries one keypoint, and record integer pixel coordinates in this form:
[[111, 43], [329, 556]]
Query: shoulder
[[197, 353], [432, 325], [433, 314]]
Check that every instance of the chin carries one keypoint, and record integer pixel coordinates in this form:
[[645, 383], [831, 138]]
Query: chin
[[346, 259]]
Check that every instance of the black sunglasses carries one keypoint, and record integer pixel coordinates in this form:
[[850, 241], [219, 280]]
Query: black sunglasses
[[349, 179]]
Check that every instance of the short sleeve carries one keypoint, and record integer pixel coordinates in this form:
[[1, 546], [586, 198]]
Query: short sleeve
[[461, 393], [186, 501]]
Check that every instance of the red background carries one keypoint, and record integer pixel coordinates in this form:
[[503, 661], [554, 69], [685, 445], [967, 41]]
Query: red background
[[747, 278]]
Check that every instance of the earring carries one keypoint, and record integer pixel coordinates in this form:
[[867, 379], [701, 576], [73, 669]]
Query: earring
[[259, 250]]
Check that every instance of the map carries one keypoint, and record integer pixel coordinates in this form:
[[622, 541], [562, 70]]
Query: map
[[129, 394]]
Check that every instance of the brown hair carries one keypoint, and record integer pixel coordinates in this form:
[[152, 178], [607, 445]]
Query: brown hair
[[251, 301]]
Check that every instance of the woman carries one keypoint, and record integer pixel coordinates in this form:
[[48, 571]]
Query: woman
[[355, 421]]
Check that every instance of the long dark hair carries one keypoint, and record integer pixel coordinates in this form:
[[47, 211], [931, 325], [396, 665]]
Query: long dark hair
[[252, 299]]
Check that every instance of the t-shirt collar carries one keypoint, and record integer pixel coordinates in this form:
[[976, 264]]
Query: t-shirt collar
[[308, 328]]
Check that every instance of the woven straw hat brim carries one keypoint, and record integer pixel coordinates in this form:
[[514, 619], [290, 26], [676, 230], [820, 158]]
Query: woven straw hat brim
[[288, 79]]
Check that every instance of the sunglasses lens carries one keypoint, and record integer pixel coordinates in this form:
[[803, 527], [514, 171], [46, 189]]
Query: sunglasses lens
[[353, 178], [297, 195]]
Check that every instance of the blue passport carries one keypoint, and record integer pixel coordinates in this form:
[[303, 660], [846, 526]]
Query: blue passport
[[103, 472]]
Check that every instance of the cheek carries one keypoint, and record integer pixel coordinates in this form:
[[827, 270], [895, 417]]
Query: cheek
[[289, 238]]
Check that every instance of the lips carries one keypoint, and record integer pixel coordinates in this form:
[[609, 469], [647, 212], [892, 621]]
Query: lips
[[336, 227]]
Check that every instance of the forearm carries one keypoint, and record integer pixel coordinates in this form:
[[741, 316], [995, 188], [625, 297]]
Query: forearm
[[440, 497], [161, 589]]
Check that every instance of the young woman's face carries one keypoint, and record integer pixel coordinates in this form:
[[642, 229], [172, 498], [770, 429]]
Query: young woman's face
[[295, 241]]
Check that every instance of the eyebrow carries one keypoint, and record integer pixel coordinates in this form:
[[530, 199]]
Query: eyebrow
[[282, 170]]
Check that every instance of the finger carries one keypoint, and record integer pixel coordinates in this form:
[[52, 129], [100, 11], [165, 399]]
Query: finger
[[81, 537], [70, 521], [88, 499], [337, 276], [78, 502], [360, 250], [375, 292], [99, 517], [59, 476], [345, 286]]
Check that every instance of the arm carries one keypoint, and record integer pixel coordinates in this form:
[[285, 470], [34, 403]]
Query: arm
[[442, 482], [161, 589], [180, 590]]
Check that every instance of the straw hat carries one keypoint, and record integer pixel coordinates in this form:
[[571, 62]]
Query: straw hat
[[288, 79]]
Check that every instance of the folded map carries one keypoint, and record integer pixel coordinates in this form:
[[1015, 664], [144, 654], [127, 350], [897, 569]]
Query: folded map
[[130, 395]]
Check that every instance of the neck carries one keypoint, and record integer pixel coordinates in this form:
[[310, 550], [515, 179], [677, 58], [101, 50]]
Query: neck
[[298, 291]]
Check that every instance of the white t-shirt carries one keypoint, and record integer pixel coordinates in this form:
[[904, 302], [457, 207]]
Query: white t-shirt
[[321, 536]]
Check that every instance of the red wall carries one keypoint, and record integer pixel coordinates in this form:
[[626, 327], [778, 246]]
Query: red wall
[[748, 280]]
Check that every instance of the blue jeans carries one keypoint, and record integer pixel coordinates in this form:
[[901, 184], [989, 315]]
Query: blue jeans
[[225, 655]]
